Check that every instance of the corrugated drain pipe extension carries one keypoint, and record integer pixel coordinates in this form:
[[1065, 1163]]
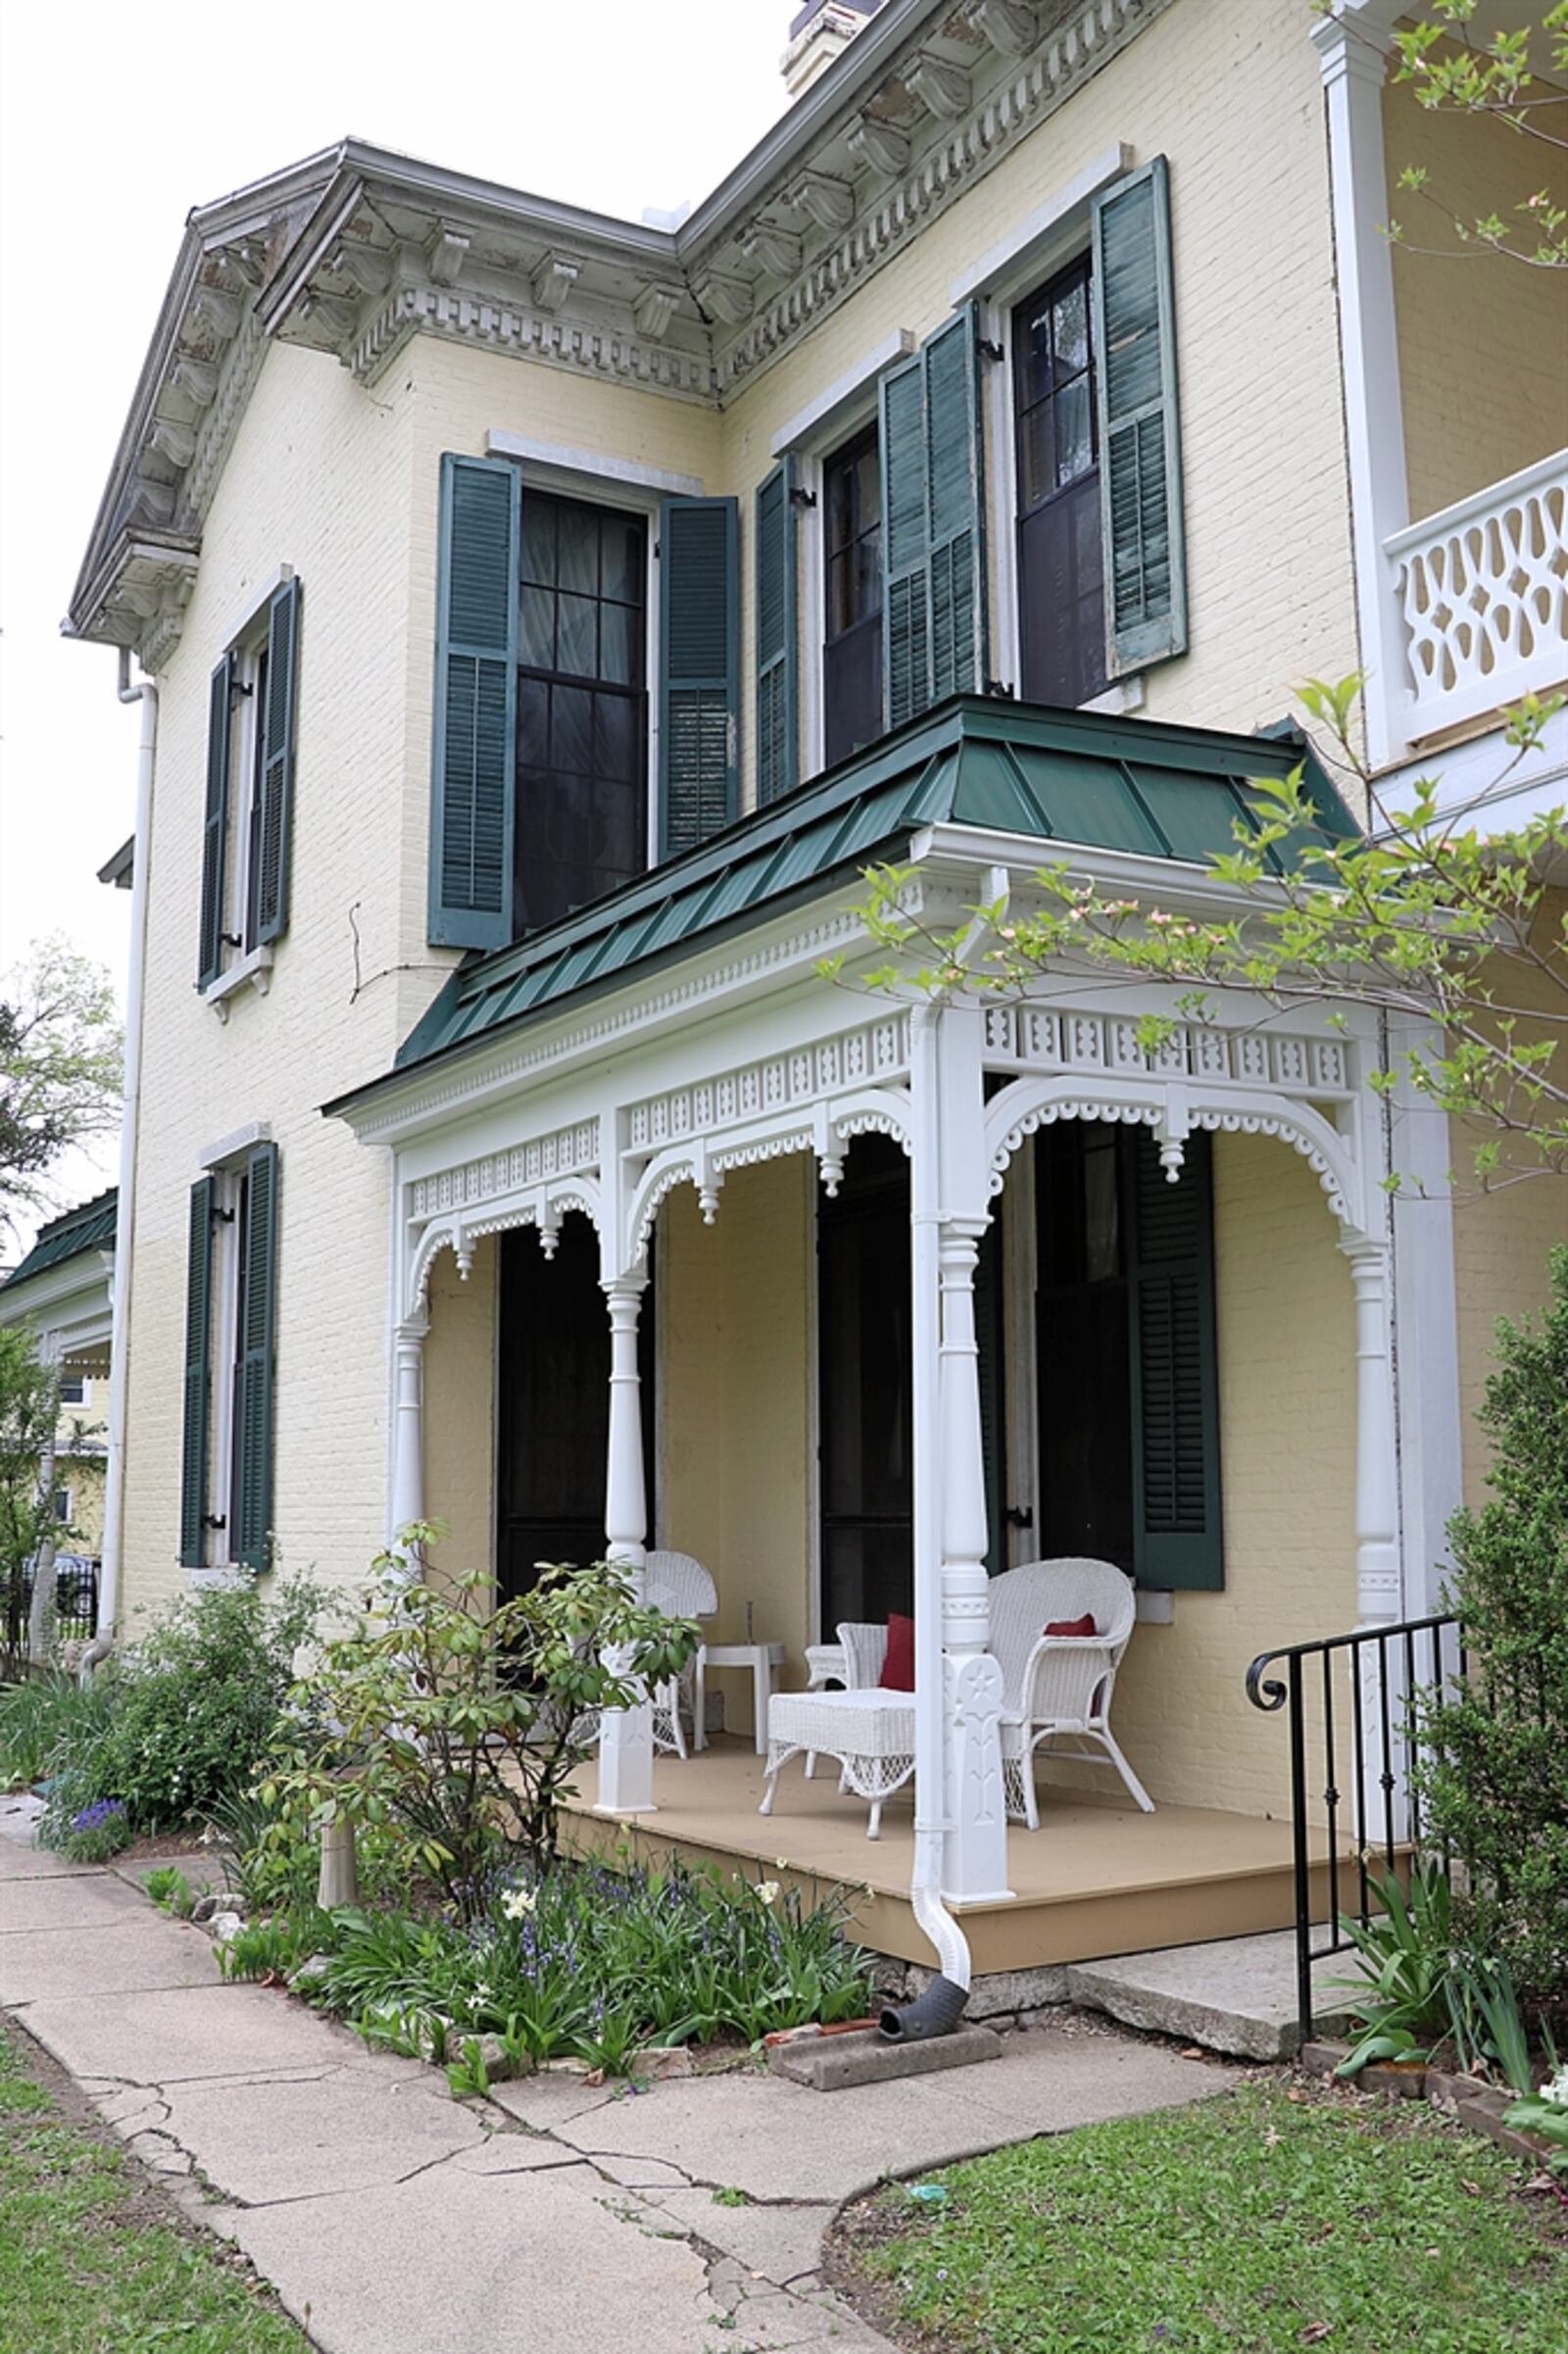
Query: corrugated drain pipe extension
[[103, 1642]]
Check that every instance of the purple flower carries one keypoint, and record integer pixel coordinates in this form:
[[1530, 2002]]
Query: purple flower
[[93, 1818]]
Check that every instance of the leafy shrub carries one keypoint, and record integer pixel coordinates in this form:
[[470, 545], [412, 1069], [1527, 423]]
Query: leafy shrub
[[38, 1716], [96, 1832], [1494, 1782], [1419, 1987], [588, 1962], [458, 1726], [188, 1713], [276, 1859]]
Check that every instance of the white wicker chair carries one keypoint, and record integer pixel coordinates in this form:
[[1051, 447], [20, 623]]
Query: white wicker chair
[[679, 1588], [1055, 1685]]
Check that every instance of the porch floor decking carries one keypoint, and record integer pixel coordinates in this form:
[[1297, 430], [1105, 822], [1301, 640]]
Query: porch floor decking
[[1096, 1878]]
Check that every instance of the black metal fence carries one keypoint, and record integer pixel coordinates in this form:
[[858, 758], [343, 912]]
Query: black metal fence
[[1354, 1727], [77, 1577]]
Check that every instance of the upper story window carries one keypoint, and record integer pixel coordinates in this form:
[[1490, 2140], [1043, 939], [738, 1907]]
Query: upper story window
[[548, 661], [250, 795], [852, 655], [73, 1389], [583, 708], [1061, 603]]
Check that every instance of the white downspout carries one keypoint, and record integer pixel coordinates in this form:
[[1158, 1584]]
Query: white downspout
[[146, 694]]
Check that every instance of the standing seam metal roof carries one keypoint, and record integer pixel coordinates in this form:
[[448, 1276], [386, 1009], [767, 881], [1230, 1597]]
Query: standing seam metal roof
[[89, 1227], [1073, 778]]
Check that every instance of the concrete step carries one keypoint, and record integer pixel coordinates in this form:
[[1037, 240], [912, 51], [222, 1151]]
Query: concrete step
[[1236, 1995]]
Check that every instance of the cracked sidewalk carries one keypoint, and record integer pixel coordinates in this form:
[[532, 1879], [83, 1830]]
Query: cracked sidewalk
[[554, 2218]]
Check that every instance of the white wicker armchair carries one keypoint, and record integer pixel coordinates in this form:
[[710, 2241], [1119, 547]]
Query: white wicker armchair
[[679, 1588], [1055, 1685]]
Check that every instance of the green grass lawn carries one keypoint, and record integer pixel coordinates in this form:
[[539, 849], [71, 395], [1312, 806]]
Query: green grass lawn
[[1249, 2223], [93, 2258]]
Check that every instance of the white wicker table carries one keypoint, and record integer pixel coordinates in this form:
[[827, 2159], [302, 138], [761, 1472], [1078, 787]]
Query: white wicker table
[[870, 1733]]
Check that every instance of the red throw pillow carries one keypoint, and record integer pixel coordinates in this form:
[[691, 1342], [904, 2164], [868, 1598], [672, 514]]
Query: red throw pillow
[[898, 1668], [1071, 1626]]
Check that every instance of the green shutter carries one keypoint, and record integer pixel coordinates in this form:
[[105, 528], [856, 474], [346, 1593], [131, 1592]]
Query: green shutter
[[198, 1375], [905, 579], [473, 796], [278, 724], [933, 540], [215, 831], [1140, 439], [257, 1332], [698, 598], [955, 507], [775, 562], [1177, 1534]]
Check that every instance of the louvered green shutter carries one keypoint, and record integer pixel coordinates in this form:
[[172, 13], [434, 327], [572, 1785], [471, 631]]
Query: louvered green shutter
[[1177, 1534], [258, 1333], [933, 539], [215, 830], [905, 577], [474, 793], [278, 724], [955, 509], [197, 1408], [697, 599], [1140, 439], [775, 560]]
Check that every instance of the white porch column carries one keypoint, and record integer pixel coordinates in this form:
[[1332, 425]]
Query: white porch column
[[974, 1862], [41, 1615], [1381, 1677], [1353, 46], [407, 1502], [626, 1735]]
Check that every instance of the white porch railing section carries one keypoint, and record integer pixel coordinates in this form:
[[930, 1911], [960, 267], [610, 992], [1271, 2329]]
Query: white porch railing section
[[1483, 594]]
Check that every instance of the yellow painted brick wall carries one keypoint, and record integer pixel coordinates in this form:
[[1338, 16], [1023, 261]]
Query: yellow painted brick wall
[[459, 1409], [318, 479], [736, 1354], [1483, 341], [1287, 1371], [1502, 1239], [1232, 95]]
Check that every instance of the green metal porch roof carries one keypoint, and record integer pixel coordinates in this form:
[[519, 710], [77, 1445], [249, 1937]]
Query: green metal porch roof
[[1065, 777], [91, 1227]]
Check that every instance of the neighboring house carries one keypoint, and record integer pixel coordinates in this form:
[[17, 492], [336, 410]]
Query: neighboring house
[[63, 1289], [552, 617]]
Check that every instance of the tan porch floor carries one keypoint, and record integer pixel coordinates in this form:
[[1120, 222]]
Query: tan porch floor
[[1098, 1878]]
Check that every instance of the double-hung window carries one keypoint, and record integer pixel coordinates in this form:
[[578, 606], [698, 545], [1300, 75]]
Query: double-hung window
[[1061, 605], [548, 708], [851, 548], [248, 820], [230, 1350]]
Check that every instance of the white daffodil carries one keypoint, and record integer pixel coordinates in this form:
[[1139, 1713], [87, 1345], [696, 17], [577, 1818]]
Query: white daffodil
[[767, 1890], [518, 1903]]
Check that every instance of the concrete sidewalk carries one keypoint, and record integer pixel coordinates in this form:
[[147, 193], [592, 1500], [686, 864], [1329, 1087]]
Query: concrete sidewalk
[[554, 2218]]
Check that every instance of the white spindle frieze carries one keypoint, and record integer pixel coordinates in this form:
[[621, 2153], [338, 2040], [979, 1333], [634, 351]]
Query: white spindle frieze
[[1029, 1038]]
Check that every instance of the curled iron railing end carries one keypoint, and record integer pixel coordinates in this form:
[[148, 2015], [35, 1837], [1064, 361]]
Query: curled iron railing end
[[1266, 1694]]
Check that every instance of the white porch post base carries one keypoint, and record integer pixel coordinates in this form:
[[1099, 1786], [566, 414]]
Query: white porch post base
[[626, 1735], [974, 1849], [405, 1502]]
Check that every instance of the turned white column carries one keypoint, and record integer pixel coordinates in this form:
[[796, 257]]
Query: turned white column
[[974, 1862], [1379, 1595], [41, 1613], [407, 1500], [1352, 47], [626, 1735]]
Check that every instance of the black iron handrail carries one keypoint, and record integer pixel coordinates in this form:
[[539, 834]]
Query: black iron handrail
[[1383, 1662]]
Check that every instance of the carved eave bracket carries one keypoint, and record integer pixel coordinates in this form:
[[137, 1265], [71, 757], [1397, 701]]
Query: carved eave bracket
[[141, 599]]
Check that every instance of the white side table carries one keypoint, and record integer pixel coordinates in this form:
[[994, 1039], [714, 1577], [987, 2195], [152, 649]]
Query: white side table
[[763, 1659]]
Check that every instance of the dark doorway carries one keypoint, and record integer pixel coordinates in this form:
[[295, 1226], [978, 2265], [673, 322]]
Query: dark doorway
[[1081, 1335], [852, 655], [552, 1415], [865, 1401]]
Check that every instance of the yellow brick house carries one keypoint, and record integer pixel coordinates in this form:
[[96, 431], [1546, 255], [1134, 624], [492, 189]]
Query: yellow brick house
[[549, 618]]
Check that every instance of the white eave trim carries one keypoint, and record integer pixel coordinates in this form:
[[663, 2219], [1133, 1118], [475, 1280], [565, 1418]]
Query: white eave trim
[[1031, 244], [554, 458], [1136, 874], [822, 420]]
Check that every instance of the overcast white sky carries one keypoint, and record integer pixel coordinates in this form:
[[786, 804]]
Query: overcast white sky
[[111, 129]]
